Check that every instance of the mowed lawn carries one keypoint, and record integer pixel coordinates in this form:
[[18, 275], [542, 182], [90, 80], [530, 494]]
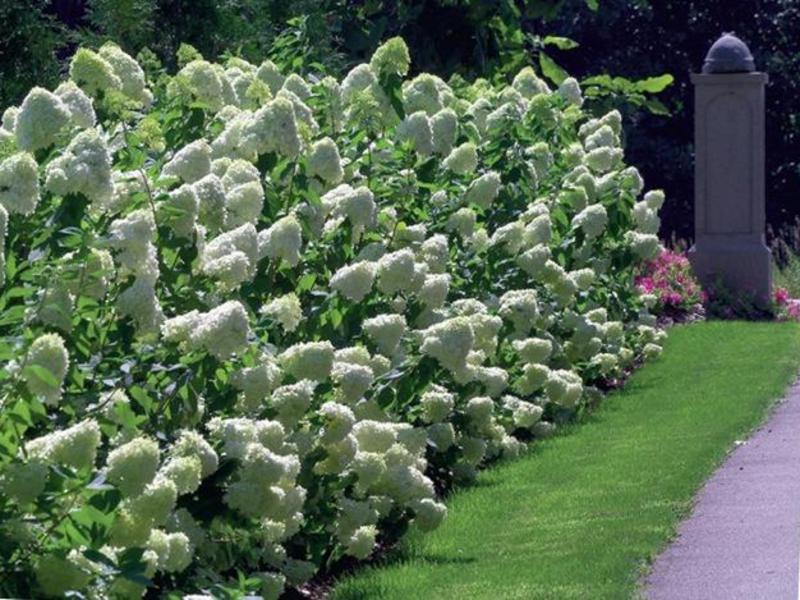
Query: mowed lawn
[[584, 512]]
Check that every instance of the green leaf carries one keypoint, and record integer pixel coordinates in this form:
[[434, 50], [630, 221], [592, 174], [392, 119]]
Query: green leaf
[[551, 70], [593, 5], [654, 85], [656, 107], [562, 43], [306, 282], [43, 374]]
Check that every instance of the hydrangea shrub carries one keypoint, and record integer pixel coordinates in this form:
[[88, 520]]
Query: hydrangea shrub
[[252, 322]]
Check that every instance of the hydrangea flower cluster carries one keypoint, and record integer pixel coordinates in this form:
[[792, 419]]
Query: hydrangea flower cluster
[[254, 317]]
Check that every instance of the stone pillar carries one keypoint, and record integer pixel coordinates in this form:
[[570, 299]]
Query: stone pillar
[[729, 173]]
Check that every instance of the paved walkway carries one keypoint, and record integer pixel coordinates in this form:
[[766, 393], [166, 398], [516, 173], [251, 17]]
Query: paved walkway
[[742, 540]]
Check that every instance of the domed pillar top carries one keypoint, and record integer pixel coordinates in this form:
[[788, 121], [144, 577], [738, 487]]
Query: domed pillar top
[[729, 54]]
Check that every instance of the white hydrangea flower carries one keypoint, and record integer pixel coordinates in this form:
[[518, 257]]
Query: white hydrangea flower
[[140, 303], [533, 350], [212, 202], [462, 160], [436, 253], [484, 190], [41, 117], [444, 128], [297, 85], [391, 58], [437, 403], [128, 71], [23, 482], [479, 410], [205, 82], [231, 256], [75, 446], [173, 550], [462, 222], [78, 103], [338, 421], [602, 137], [355, 281], [308, 360], [395, 271], [602, 159], [583, 278], [533, 260], [651, 351], [92, 72], [374, 436], [132, 236], [352, 380], [269, 74], [449, 342], [48, 360], [570, 90], [223, 330], [631, 180], [647, 220], [494, 380], [10, 118], [83, 168], [645, 246], [564, 387], [184, 472], [386, 331], [592, 220], [434, 290], [527, 83], [510, 236], [422, 94], [521, 308], [654, 199], [191, 163], [282, 240], [524, 414], [324, 161], [179, 211], [244, 204], [428, 514], [19, 183], [286, 310], [362, 542], [133, 465], [533, 377], [192, 444], [416, 128], [441, 435], [273, 128], [359, 207], [256, 383]]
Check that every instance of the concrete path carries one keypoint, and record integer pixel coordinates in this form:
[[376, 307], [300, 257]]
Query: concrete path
[[742, 540]]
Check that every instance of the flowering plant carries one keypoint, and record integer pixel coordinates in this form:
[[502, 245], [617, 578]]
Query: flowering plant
[[670, 279], [250, 321], [786, 307]]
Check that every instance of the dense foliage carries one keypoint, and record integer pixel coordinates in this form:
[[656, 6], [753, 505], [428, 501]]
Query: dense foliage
[[252, 322]]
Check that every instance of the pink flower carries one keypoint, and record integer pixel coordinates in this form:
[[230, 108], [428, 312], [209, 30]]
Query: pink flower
[[781, 296]]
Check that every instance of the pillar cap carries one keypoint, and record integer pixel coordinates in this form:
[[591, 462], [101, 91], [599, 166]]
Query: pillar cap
[[729, 54]]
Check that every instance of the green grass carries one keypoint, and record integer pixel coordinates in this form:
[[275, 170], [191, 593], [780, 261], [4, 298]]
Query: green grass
[[583, 513]]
